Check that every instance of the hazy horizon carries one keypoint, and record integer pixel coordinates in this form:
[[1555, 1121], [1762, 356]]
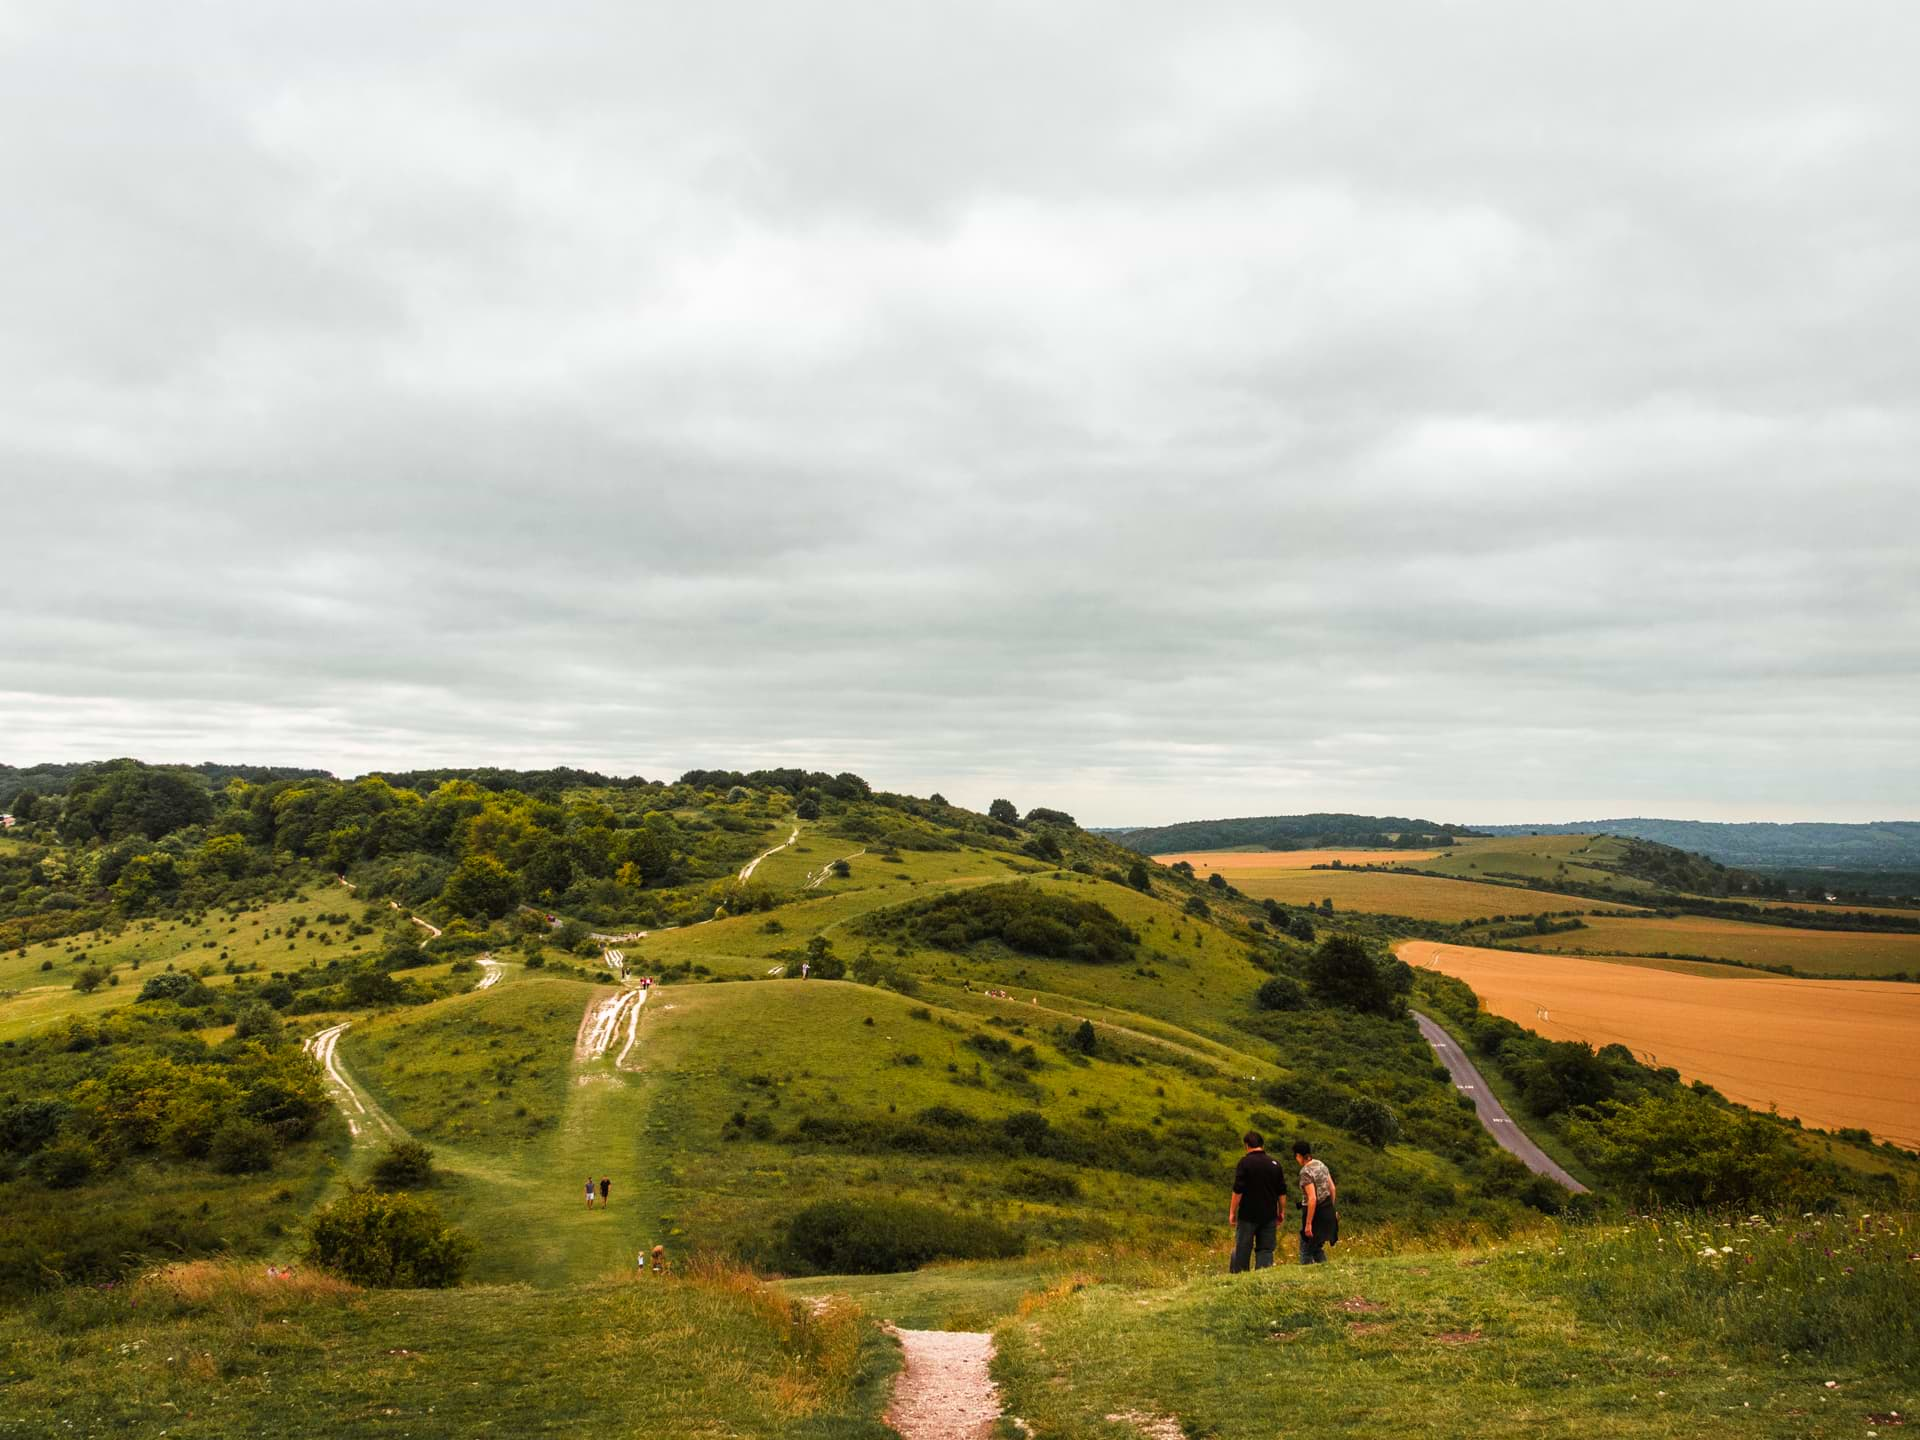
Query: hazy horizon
[[1153, 414]]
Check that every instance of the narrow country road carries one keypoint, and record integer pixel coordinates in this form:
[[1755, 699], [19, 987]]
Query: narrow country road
[[1492, 1113]]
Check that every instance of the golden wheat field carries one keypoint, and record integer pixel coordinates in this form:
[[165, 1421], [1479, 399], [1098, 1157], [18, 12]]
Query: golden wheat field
[[1832, 1052], [1811, 952], [1385, 892]]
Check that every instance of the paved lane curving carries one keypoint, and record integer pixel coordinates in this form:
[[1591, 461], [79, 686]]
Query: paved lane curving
[[1469, 1082]]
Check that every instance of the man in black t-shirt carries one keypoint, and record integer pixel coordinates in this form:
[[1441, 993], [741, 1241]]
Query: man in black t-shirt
[[1258, 1206]]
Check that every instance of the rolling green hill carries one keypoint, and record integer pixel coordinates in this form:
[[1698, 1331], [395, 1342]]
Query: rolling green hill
[[1019, 1056]]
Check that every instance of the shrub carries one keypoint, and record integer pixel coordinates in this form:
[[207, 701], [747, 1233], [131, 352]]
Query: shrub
[[1282, 992], [403, 1165], [1682, 1149], [90, 979], [388, 1242], [241, 1147], [1019, 916], [1373, 1122], [1032, 1183], [63, 1165], [177, 986], [257, 1020], [874, 1237]]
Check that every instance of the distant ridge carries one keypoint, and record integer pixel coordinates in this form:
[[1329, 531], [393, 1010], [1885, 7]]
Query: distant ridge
[[1287, 832], [1883, 845]]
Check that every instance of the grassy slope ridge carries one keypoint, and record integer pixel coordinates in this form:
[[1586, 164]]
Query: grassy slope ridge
[[751, 1094]]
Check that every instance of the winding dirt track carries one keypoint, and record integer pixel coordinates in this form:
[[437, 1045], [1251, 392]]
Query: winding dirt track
[[357, 1109], [827, 869], [945, 1392], [746, 871], [494, 970]]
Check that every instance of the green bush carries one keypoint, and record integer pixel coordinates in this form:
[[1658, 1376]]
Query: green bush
[[395, 1242], [1373, 1122], [403, 1165], [876, 1237], [1282, 992], [242, 1147], [63, 1164], [1019, 916]]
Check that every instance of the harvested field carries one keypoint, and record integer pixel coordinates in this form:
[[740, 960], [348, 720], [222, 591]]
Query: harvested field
[[1832, 1052], [1231, 862], [1424, 897], [1811, 952]]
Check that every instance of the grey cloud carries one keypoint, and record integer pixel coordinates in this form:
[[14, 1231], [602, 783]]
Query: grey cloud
[[1487, 410]]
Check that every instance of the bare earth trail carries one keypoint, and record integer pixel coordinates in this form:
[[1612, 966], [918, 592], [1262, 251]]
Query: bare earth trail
[[364, 1117], [493, 969], [945, 1392], [746, 871], [604, 1021], [1469, 1082], [813, 881]]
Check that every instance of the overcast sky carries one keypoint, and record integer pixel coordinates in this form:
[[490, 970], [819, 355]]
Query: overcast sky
[[1480, 411]]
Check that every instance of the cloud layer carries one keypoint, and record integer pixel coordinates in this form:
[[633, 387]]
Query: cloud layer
[[1473, 410]]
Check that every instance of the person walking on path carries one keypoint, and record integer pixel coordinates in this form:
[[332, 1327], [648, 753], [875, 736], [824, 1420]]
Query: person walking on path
[[1258, 1206], [605, 1186], [1319, 1219], [589, 1192]]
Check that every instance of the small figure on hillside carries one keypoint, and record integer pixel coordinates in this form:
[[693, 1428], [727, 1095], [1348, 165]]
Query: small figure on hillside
[[804, 967], [1319, 1220], [1258, 1205], [589, 1192], [606, 1185], [659, 1259]]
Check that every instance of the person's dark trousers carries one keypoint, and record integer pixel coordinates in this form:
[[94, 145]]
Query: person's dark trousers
[[1253, 1241], [1312, 1251]]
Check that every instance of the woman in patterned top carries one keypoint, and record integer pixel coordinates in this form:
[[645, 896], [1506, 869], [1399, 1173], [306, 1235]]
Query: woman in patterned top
[[1319, 1219]]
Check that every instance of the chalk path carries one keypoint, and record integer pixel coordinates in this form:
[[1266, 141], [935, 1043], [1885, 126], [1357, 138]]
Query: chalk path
[[945, 1392]]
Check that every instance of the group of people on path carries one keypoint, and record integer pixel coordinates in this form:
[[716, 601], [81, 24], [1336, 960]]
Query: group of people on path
[[606, 1188], [1259, 1206]]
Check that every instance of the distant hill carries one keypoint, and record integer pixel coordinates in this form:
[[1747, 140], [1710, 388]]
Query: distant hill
[[1890, 845], [57, 779], [1287, 832]]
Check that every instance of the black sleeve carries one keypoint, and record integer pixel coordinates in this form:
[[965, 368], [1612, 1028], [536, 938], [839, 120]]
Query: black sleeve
[[1240, 1178]]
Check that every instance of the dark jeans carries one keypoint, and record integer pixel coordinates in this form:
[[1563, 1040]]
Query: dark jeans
[[1312, 1251], [1253, 1240]]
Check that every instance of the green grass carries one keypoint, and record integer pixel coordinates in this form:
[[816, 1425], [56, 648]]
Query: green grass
[[1567, 859], [702, 1356], [254, 936], [1583, 1334]]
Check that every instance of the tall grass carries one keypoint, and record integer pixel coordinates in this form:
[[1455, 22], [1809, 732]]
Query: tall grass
[[1830, 1287]]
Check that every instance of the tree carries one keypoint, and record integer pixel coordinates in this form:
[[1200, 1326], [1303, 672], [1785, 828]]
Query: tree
[[1084, 1040], [257, 1020], [1372, 1122], [1005, 811], [1682, 1149], [26, 805], [480, 887], [808, 808], [1041, 815], [1343, 973], [822, 963], [1138, 877], [90, 979], [1217, 881], [388, 1241]]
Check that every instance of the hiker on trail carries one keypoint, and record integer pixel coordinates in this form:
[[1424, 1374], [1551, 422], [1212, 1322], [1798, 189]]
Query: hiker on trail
[[589, 1192], [605, 1186], [804, 967], [1258, 1206], [1319, 1220]]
